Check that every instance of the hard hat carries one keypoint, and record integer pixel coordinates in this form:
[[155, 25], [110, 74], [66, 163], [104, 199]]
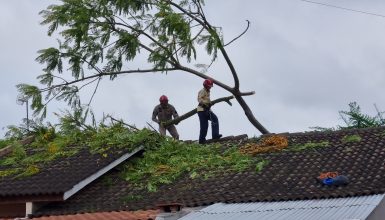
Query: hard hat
[[163, 99], [208, 83]]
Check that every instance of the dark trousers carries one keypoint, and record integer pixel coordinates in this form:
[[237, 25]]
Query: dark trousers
[[204, 117]]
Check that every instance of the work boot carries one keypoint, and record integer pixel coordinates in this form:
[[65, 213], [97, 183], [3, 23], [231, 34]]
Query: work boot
[[202, 141], [217, 137]]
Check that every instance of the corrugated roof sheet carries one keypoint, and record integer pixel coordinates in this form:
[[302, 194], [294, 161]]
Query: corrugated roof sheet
[[325, 209]]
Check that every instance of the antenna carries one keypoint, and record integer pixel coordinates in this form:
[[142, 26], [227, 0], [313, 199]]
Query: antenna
[[21, 99]]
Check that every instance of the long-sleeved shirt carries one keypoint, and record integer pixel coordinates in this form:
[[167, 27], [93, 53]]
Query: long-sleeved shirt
[[163, 114], [203, 99]]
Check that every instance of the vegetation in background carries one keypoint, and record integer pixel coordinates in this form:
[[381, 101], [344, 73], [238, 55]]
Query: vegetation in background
[[351, 138], [354, 118]]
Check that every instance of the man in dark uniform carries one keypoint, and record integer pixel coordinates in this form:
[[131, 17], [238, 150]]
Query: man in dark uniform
[[162, 113]]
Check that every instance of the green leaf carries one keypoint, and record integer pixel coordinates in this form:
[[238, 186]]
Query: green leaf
[[128, 44], [52, 58], [32, 92]]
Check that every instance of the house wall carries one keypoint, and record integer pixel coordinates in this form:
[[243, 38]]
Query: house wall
[[379, 212], [12, 210]]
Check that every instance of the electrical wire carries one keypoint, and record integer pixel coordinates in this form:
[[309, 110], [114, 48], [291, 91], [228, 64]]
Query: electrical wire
[[343, 8]]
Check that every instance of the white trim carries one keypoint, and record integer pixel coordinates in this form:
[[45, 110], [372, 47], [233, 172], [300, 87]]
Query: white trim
[[96, 175], [28, 209]]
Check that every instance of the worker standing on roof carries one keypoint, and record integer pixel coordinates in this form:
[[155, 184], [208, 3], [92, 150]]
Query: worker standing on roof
[[205, 114], [162, 113]]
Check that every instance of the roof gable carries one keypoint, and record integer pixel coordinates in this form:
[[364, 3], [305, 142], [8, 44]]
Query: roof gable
[[63, 177]]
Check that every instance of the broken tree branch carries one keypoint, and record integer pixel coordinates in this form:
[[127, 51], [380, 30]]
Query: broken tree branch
[[152, 127], [121, 121], [194, 111]]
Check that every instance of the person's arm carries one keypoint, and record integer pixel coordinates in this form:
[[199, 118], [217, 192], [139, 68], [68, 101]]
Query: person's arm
[[174, 112], [154, 115]]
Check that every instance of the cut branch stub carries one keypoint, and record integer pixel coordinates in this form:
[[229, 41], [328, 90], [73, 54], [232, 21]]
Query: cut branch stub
[[194, 111]]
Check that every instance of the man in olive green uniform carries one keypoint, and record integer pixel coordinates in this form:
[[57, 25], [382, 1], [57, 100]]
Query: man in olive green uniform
[[162, 113], [205, 114]]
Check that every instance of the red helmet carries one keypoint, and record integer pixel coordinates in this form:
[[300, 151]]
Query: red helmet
[[208, 83], [163, 99]]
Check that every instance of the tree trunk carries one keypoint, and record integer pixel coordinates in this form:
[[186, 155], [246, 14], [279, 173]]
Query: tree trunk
[[249, 114]]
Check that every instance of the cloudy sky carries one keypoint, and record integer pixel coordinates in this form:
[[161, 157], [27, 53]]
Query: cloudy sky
[[305, 62]]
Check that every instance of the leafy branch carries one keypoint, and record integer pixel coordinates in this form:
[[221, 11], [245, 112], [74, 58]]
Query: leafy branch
[[101, 37]]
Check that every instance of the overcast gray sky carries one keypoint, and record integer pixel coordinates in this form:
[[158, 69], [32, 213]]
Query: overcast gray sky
[[304, 61]]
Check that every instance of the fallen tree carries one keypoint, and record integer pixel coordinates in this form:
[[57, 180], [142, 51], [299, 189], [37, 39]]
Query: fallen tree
[[101, 39]]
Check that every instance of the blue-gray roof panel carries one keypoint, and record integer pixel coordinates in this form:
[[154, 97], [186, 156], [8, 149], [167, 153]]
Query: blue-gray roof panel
[[325, 209]]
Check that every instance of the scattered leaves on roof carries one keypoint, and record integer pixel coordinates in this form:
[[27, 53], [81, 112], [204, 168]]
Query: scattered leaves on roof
[[351, 138], [166, 163], [49, 145], [273, 143]]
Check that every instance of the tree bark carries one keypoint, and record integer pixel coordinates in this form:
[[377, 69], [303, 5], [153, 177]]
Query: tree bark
[[249, 114]]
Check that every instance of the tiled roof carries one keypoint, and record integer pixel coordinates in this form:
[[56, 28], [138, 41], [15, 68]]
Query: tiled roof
[[289, 175], [57, 177], [126, 215]]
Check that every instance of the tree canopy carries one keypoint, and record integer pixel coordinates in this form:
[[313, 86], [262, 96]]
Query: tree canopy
[[101, 38]]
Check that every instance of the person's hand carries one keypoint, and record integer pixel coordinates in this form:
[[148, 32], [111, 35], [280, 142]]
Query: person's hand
[[207, 106]]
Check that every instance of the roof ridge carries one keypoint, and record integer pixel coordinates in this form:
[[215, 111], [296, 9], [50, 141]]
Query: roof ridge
[[347, 130]]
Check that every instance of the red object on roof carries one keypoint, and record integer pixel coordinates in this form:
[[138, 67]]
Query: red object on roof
[[123, 215]]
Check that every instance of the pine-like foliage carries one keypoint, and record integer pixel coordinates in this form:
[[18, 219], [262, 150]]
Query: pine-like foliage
[[354, 118]]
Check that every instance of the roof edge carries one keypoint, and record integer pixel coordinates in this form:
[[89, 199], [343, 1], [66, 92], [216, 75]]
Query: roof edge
[[99, 173]]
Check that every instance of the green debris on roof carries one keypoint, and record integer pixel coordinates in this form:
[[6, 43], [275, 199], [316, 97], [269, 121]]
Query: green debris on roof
[[351, 138], [308, 145], [49, 145], [5, 142], [163, 161], [164, 164]]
